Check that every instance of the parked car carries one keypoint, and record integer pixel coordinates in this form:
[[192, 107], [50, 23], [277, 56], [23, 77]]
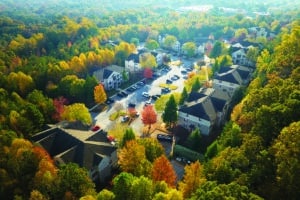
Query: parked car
[[168, 81], [165, 137], [125, 119], [165, 90], [183, 72], [131, 105], [141, 83], [95, 128], [146, 94], [155, 97], [109, 101], [124, 94]]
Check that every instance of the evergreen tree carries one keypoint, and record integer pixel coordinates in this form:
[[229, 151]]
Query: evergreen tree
[[183, 97], [170, 115], [196, 85], [128, 135]]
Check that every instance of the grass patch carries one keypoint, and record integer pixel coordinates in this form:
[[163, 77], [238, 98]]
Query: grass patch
[[170, 86], [161, 101], [114, 116]]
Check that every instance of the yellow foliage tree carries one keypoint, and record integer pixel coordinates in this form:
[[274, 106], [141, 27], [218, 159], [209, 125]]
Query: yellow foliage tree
[[99, 94]]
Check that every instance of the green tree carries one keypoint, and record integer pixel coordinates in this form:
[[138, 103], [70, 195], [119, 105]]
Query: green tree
[[212, 190], [128, 135], [122, 186], [76, 180], [196, 85], [216, 50], [170, 115], [189, 48], [141, 188], [153, 148], [183, 97], [151, 44], [287, 158], [194, 140], [105, 194]]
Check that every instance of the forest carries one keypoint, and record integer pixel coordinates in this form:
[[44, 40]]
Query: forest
[[49, 51]]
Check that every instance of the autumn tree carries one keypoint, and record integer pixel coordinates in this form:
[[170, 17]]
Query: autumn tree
[[148, 73], [99, 94], [189, 48], [74, 182], [77, 112], [105, 194], [122, 186], [131, 156], [147, 60], [287, 154], [163, 171], [169, 41], [153, 148], [170, 115], [193, 177], [149, 116]]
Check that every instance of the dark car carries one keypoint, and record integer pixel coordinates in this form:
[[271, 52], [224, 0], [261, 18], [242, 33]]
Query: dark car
[[168, 81], [131, 105], [109, 101], [125, 119], [165, 137], [155, 97], [141, 83], [120, 94], [165, 90], [124, 94]]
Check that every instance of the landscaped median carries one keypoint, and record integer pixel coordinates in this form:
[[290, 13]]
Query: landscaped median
[[170, 86]]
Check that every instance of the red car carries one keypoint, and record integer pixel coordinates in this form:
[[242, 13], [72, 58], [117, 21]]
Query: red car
[[95, 128]]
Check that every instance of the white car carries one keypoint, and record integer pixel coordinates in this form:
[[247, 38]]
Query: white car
[[146, 94]]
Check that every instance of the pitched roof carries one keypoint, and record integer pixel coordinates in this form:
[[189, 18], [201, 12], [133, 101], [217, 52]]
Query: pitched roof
[[135, 57], [193, 96], [85, 148], [196, 110], [106, 73]]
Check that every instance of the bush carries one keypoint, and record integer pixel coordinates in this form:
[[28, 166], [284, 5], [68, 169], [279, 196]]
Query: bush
[[189, 154]]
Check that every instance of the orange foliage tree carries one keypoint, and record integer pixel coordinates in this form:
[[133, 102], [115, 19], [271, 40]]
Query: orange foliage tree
[[192, 179], [162, 170], [149, 116]]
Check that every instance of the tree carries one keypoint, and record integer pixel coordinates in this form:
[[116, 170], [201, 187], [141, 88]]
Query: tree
[[99, 94], [147, 60], [189, 48], [183, 97], [193, 177], [287, 159], [151, 44], [212, 190], [153, 148], [194, 140], [128, 135], [149, 116], [163, 171], [141, 188], [170, 115], [105, 194], [131, 156], [74, 180], [216, 50], [122, 186], [169, 41], [196, 85], [77, 112], [148, 73]]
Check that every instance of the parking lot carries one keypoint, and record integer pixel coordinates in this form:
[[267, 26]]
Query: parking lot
[[141, 93]]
